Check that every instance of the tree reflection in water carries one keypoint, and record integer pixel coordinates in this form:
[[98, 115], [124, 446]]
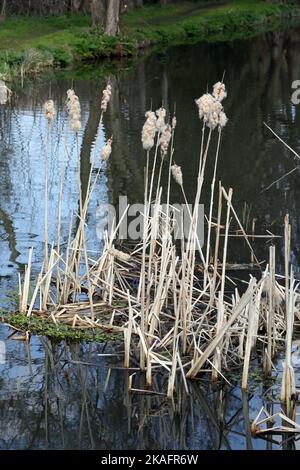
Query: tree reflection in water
[[60, 396]]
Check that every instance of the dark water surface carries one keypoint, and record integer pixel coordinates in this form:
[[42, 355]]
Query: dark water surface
[[47, 397]]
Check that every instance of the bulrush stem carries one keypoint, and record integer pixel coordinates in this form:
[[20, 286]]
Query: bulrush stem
[[169, 173], [152, 176], [202, 165], [221, 307], [127, 334], [146, 176], [287, 254], [241, 228], [217, 243], [191, 243], [206, 274], [171, 381], [78, 242], [288, 388], [25, 290], [249, 342], [142, 284], [270, 321], [60, 198], [237, 310], [46, 241]]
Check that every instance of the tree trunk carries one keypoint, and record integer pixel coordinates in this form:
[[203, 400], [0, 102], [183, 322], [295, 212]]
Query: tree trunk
[[98, 10], [112, 17], [3, 11]]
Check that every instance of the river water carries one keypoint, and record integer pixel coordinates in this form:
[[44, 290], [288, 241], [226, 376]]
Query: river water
[[49, 395]]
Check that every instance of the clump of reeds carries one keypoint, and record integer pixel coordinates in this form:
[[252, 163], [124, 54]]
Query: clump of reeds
[[170, 299]]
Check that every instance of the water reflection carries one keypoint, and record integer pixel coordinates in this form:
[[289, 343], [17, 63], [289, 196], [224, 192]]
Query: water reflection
[[68, 397]]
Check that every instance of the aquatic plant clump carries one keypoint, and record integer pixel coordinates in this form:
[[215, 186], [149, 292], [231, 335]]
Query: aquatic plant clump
[[171, 301]]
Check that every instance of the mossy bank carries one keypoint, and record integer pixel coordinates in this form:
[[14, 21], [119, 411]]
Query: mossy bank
[[28, 45], [42, 327]]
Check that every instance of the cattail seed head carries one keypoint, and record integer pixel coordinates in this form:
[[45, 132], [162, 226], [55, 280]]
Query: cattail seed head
[[49, 110], [211, 109], [204, 104], [219, 91], [177, 174], [107, 149], [149, 130], [74, 110], [222, 119], [213, 120], [70, 93], [161, 115], [216, 107], [164, 140]]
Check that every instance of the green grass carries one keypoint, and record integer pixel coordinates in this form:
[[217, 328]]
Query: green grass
[[17, 34], [34, 44], [182, 22]]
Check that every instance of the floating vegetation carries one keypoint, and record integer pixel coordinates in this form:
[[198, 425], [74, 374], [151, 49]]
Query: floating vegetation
[[64, 331], [174, 302]]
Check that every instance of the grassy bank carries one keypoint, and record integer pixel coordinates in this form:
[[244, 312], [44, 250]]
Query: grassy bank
[[31, 44]]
